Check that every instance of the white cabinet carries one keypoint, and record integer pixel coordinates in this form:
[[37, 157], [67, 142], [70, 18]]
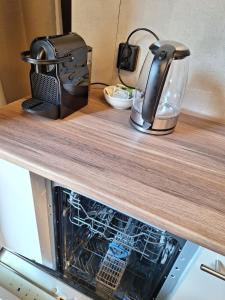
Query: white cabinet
[[18, 227], [198, 285]]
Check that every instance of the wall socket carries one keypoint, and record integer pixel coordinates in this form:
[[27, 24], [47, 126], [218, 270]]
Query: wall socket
[[127, 57]]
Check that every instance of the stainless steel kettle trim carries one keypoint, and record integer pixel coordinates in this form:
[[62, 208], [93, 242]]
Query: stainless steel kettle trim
[[181, 51], [160, 127]]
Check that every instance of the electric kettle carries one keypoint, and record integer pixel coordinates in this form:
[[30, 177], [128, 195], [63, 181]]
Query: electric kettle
[[160, 88]]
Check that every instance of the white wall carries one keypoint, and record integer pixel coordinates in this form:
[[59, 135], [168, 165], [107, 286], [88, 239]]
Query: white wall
[[198, 24], [96, 21]]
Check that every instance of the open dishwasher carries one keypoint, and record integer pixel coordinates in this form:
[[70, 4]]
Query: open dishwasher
[[99, 253], [111, 255]]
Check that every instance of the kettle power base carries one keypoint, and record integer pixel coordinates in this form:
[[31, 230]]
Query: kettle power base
[[151, 131]]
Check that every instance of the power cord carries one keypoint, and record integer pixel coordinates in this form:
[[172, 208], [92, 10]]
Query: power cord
[[142, 29], [127, 48], [121, 80], [128, 54]]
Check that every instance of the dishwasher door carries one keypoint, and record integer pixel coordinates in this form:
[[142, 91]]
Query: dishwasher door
[[21, 279], [4, 294]]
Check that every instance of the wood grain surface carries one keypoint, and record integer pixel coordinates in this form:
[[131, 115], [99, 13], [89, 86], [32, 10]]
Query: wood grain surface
[[176, 182]]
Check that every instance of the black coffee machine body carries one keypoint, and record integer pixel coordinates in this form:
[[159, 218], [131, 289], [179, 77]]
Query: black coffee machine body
[[59, 75]]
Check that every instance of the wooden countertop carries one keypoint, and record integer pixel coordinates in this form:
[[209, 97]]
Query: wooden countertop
[[176, 181]]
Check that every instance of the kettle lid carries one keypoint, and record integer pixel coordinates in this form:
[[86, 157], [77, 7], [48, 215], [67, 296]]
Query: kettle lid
[[181, 51]]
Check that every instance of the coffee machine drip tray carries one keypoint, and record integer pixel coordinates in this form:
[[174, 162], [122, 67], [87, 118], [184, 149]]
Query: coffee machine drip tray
[[39, 107]]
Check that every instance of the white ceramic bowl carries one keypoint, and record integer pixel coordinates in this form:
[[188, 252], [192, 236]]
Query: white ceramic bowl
[[115, 102]]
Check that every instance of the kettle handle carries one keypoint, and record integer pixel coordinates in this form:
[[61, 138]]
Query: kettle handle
[[156, 80]]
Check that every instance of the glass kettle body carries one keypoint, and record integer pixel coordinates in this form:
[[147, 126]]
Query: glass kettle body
[[160, 89]]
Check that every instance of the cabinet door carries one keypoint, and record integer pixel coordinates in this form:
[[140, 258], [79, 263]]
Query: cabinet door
[[198, 285], [18, 227]]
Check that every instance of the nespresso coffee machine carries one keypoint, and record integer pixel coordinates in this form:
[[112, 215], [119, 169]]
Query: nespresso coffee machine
[[59, 75]]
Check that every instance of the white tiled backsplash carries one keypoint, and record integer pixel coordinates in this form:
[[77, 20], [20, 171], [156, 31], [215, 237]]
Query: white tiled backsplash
[[198, 24]]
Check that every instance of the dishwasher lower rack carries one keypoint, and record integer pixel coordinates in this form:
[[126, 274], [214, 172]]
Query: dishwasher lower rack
[[112, 254]]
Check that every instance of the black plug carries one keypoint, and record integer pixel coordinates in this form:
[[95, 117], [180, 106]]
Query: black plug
[[127, 57]]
